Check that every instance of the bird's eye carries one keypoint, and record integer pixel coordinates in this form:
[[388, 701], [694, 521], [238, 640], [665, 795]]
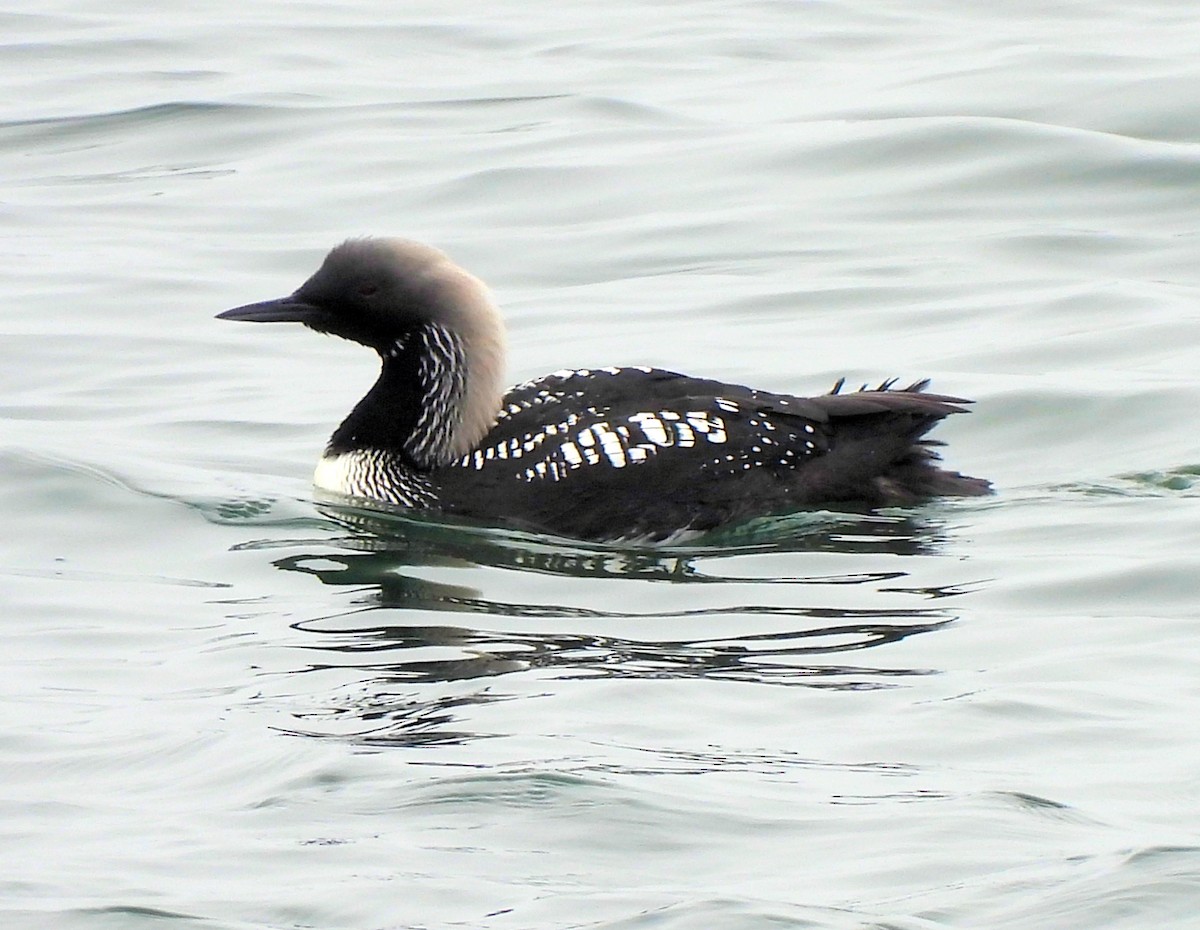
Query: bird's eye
[[368, 289]]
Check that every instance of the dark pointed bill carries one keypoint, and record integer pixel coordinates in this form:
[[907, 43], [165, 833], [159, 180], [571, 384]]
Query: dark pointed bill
[[282, 310]]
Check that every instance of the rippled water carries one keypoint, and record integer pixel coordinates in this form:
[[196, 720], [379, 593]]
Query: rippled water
[[229, 706]]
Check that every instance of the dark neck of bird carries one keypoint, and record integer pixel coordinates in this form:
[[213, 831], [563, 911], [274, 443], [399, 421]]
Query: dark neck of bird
[[414, 408]]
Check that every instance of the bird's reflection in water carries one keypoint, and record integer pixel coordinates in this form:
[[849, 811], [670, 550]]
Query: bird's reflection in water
[[411, 676]]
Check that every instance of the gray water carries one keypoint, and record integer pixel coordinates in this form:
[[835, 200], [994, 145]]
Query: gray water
[[226, 706]]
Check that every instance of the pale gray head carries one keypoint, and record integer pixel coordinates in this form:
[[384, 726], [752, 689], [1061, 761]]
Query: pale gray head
[[382, 293]]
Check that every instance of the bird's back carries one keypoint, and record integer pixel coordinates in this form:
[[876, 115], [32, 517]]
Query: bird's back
[[646, 453]]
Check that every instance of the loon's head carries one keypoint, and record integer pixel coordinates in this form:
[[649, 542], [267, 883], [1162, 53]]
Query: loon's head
[[374, 291], [378, 292]]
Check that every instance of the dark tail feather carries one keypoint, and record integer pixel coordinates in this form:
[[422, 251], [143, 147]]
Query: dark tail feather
[[919, 475], [878, 443]]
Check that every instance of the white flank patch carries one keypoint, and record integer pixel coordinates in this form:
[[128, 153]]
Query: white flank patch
[[369, 474], [337, 473]]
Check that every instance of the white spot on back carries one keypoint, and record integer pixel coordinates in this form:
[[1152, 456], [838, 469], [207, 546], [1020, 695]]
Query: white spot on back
[[652, 427]]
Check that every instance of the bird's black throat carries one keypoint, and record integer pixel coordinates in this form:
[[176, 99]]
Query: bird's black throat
[[386, 417]]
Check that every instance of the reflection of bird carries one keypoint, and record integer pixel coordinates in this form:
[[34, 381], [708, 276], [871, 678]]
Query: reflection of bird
[[611, 453]]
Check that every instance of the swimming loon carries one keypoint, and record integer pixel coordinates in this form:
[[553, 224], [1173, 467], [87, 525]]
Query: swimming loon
[[600, 454]]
